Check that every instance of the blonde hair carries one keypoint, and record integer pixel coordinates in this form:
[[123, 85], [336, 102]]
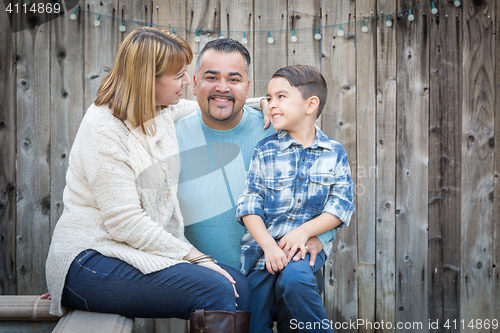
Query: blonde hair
[[129, 88]]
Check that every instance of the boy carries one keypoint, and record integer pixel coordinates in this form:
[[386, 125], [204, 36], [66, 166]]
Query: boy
[[299, 185]]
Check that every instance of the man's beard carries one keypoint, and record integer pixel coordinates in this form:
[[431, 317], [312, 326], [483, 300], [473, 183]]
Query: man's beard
[[231, 98]]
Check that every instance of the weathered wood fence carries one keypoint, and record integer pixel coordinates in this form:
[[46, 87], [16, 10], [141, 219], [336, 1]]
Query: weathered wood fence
[[414, 105]]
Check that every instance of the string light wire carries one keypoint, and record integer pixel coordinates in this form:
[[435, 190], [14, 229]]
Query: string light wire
[[270, 39]]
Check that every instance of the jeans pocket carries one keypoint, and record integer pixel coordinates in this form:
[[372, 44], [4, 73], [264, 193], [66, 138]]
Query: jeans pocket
[[73, 300]]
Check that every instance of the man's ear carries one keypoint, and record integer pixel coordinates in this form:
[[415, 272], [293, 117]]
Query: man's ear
[[312, 105], [194, 85], [248, 88]]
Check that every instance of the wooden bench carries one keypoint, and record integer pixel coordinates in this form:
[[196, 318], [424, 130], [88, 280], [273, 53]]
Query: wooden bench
[[34, 309]]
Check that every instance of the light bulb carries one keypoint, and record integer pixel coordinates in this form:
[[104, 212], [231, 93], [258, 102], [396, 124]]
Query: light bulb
[[457, 3], [317, 35], [293, 38], [72, 16], [197, 39], [270, 39], [340, 33], [388, 22], [364, 28], [434, 10], [122, 28], [411, 17], [97, 22]]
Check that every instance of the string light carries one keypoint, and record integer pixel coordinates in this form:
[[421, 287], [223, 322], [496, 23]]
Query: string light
[[97, 22], [411, 17], [364, 28], [122, 27], [434, 10], [388, 22], [340, 32], [72, 16], [457, 3], [317, 35], [270, 39]]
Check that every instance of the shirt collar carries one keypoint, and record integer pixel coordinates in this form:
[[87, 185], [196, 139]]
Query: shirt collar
[[321, 140]]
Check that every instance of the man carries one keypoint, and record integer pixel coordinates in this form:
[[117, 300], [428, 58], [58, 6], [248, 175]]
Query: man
[[216, 145]]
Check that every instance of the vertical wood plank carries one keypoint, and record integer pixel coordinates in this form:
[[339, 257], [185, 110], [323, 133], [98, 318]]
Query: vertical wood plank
[[270, 16], [412, 169], [445, 58], [203, 16], [33, 157], [386, 166], [238, 17], [168, 15], [302, 16], [8, 273], [496, 197], [365, 190], [101, 43], [477, 162], [66, 103], [339, 123]]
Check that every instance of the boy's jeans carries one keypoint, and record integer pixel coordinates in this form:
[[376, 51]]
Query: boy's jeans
[[98, 283], [300, 296]]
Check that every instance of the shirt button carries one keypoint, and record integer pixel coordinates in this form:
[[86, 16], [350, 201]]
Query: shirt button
[[303, 158], [279, 184], [301, 179], [290, 219], [326, 179], [299, 201]]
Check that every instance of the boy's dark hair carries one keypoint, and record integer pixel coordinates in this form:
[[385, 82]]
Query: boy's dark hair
[[226, 45], [308, 80]]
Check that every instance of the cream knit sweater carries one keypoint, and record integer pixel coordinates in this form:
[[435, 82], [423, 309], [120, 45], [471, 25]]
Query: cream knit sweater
[[120, 197]]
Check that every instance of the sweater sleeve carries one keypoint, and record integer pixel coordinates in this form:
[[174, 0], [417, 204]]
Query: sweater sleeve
[[112, 182], [184, 108]]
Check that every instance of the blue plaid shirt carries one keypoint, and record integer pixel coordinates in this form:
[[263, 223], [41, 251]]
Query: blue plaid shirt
[[288, 185]]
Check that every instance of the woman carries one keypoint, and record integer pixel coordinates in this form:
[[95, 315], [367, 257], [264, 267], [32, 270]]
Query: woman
[[119, 246]]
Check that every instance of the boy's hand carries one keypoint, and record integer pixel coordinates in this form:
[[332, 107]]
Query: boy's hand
[[294, 241], [276, 259]]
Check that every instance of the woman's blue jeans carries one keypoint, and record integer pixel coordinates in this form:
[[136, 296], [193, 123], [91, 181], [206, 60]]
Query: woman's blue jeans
[[103, 284]]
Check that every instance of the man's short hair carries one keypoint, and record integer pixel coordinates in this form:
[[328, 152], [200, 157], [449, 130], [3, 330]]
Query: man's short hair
[[226, 45], [308, 80]]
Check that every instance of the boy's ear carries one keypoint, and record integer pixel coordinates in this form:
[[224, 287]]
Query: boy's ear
[[312, 105]]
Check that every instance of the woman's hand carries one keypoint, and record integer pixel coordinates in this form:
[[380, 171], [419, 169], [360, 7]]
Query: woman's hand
[[45, 296], [276, 259], [222, 271], [294, 241]]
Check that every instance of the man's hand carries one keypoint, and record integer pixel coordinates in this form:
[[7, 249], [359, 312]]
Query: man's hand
[[45, 296], [313, 246]]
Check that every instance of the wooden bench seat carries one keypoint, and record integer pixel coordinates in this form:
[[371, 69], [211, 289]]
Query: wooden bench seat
[[34, 309]]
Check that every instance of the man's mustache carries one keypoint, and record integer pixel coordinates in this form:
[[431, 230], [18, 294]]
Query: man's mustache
[[230, 97]]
